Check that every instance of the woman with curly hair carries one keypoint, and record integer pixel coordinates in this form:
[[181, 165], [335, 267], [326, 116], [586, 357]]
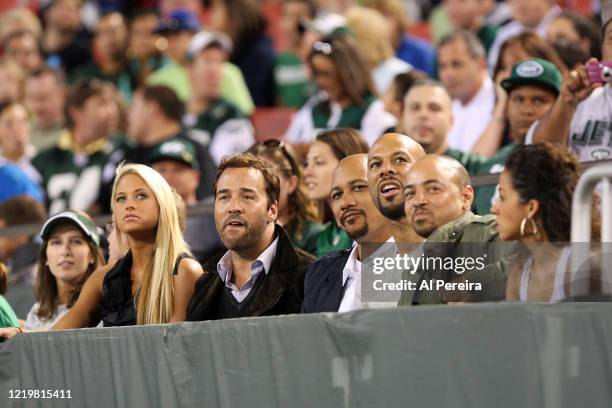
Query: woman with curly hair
[[534, 208]]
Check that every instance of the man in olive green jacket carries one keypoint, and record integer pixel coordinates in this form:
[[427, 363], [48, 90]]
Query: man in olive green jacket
[[460, 247]]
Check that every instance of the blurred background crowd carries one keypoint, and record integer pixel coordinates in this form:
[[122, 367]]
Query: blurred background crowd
[[179, 84]]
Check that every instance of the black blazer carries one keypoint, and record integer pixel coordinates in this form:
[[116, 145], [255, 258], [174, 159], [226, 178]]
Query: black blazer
[[281, 292], [323, 289]]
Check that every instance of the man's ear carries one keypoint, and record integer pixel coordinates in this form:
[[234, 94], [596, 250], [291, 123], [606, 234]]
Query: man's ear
[[468, 197], [273, 212]]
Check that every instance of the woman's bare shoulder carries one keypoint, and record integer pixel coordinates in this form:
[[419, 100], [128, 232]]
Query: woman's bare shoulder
[[189, 266]]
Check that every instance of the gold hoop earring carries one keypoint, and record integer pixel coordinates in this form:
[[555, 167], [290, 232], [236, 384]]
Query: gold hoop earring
[[534, 226]]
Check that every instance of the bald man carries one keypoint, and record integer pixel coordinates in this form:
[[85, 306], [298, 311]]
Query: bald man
[[389, 160], [438, 198], [333, 283]]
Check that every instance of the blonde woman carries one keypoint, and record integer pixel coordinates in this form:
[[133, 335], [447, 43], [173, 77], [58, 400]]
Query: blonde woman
[[373, 35], [154, 281]]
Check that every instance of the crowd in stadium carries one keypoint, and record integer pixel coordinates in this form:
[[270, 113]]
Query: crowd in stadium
[[320, 132]]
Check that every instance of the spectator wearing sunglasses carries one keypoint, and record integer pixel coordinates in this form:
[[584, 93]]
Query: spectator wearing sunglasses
[[297, 213], [347, 96]]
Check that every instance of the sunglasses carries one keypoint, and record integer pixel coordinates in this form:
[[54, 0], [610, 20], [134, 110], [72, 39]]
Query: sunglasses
[[285, 149], [324, 48]]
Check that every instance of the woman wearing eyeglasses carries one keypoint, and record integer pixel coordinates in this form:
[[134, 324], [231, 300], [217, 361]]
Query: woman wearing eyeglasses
[[297, 213], [537, 212], [347, 96]]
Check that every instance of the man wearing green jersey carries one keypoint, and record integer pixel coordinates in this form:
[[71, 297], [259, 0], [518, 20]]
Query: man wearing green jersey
[[71, 170]]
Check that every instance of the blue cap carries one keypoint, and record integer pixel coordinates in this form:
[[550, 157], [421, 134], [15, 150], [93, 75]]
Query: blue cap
[[179, 20], [14, 182]]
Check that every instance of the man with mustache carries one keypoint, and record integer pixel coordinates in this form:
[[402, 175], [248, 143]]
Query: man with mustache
[[438, 198], [333, 282], [262, 273], [389, 159]]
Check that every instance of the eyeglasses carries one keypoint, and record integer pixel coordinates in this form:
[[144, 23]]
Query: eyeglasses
[[324, 48]]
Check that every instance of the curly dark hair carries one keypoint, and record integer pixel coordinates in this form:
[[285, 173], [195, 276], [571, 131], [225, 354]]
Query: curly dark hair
[[548, 173]]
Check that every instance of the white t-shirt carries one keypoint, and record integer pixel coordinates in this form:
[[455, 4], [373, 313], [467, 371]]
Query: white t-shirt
[[591, 128], [471, 120], [33, 322], [590, 135], [386, 72]]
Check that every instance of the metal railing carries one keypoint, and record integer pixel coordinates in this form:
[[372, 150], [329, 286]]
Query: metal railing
[[582, 209]]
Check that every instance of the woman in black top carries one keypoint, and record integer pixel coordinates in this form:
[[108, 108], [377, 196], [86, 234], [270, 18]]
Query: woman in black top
[[154, 282]]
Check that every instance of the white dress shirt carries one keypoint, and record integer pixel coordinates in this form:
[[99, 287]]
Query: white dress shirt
[[351, 280]]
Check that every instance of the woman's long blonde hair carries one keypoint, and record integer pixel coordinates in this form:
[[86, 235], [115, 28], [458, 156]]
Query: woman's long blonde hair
[[155, 297]]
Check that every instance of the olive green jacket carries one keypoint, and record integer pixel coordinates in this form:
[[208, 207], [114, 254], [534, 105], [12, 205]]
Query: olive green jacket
[[468, 237]]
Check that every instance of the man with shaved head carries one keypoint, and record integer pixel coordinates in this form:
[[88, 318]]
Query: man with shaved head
[[389, 160], [333, 283], [438, 198], [437, 192]]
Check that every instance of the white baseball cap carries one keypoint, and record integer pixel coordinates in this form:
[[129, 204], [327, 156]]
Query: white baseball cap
[[205, 39]]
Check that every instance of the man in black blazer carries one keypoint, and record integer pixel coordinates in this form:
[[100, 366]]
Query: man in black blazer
[[333, 283], [262, 273]]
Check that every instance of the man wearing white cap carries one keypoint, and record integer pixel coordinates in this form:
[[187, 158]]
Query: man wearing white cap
[[215, 121]]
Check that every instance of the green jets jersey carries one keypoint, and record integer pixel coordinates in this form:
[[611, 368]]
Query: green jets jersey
[[218, 112], [351, 115], [72, 180], [223, 128]]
